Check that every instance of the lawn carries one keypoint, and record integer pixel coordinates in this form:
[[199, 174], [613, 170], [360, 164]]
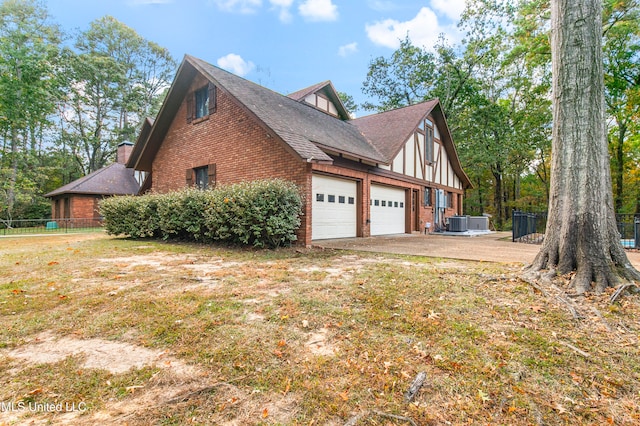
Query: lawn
[[102, 330]]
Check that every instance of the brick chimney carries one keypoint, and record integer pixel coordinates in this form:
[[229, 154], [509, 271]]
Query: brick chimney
[[123, 153]]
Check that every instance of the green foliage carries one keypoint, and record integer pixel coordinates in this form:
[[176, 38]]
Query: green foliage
[[114, 80], [264, 213], [136, 217]]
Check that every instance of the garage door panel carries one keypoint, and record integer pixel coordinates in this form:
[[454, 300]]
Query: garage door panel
[[334, 213], [387, 210]]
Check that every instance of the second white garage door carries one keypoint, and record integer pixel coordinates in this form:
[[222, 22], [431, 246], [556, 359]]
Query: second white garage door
[[387, 210], [333, 208]]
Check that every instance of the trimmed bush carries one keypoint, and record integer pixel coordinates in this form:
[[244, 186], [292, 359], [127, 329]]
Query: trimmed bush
[[264, 213], [136, 217]]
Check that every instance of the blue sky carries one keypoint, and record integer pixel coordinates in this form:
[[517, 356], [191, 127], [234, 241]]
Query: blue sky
[[285, 45]]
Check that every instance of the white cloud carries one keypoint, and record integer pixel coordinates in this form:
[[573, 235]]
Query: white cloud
[[240, 6], [283, 7], [451, 8], [319, 10], [423, 30], [348, 49], [381, 5], [236, 64]]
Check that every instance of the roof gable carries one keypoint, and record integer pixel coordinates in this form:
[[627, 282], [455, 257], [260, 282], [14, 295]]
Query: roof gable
[[307, 131], [142, 137], [327, 90], [389, 131]]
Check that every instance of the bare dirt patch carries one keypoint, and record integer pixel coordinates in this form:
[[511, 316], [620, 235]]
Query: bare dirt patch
[[115, 357], [318, 345]]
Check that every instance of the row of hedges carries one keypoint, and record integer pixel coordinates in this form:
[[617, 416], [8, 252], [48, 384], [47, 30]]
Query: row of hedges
[[263, 213]]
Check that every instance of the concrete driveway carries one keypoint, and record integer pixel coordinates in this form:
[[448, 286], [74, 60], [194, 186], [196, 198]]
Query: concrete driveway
[[495, 247]]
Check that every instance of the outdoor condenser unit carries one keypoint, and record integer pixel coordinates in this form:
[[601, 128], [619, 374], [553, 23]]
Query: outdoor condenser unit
[[458, 224]]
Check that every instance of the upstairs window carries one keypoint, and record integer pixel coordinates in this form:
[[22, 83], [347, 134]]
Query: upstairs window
[[428, 148], [201, 103]]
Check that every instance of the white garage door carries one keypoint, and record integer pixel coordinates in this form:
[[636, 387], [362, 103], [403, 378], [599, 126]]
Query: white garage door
[[334, 208], [387, 210]]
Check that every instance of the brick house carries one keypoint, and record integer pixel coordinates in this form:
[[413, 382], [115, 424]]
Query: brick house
[[387, 173], [79, 199]]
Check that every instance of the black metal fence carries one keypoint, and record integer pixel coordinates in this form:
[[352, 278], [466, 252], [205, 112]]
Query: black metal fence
[[629, 228], [530, 227], [49, 226]]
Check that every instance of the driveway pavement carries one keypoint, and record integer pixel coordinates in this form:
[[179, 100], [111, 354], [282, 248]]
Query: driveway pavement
[[495, 247]]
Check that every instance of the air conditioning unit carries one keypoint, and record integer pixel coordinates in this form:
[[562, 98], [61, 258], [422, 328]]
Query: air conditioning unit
[[458, 224], [478, 223]]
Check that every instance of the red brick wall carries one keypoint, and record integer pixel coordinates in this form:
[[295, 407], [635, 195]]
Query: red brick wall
[[80, 207], [84, 206], [233, 140]]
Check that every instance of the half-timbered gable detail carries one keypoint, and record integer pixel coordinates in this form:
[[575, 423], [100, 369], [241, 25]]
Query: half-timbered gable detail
[[324, 97], [375, 175]]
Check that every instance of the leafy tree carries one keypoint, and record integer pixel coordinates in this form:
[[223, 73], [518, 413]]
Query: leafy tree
[[403, 79], [29, 52], [115, 79], [495, 101], [622, 84], [348, 102], [581, 232]]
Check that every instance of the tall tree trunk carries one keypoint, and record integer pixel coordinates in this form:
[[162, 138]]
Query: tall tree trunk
[[581, 232]]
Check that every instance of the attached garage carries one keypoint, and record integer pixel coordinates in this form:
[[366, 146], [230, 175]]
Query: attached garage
[[334, 213], [387, 210]]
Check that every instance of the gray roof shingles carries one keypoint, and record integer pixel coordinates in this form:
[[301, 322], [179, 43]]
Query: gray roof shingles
[[299, 125], [114, 179]]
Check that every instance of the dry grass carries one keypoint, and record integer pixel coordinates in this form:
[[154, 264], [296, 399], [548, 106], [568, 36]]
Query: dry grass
[[143, 332]]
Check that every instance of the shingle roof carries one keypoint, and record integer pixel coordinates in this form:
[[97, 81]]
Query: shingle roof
[[303, 93], [115, 179], [299, 125], [388, 131]]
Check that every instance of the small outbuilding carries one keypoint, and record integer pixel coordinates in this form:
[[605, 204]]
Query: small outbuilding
[[79, 199]]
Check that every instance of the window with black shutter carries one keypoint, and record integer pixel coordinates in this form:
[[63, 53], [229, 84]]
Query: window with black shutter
[[211, 175], [201, 103]]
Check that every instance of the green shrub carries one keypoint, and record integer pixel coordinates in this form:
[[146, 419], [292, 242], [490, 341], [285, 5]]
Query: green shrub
[[136, 217], [180, 214], [263, 213], [260, 213]]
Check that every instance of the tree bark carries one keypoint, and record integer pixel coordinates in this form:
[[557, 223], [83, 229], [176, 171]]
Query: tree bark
[[581, 232]]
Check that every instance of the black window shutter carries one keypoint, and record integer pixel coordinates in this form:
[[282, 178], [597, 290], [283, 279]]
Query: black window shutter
[[189, 177], [211, 170], [212, 98], [190, 107]]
